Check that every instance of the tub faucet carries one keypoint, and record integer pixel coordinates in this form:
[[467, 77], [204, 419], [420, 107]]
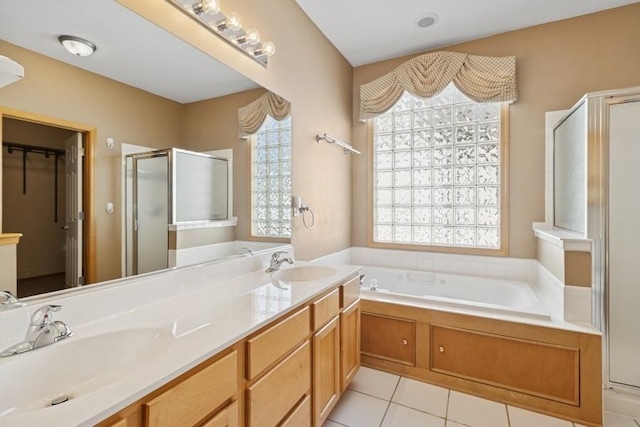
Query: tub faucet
[[276, 261], [42, 331]]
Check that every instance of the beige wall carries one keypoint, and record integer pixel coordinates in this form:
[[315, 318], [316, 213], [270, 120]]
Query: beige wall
[[58, 90], [572, 268], [556, 64], [309, 72], [41, 248], [213, 125]]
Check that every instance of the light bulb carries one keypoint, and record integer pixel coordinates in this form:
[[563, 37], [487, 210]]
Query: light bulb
[[206, 6], [266, 49], [252, 36], [232, 23]]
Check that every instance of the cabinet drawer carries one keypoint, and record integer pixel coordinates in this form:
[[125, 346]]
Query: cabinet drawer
[[196, 397], [301, 416], [228, 417], [389, 338], [266, 348], [325, 309], [350, 292], [535, 368], [275, 394]]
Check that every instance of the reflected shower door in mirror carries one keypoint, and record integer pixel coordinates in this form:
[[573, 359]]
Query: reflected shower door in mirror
[[159, 94], [167, 189]]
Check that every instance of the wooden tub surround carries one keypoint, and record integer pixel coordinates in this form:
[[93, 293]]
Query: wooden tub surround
[[544, 369]]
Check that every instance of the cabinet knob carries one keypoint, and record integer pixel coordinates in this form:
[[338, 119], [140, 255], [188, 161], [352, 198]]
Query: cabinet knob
[[441, 349], [405, 342]]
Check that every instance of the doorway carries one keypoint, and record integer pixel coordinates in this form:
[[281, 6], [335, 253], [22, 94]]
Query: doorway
[[46, 196]]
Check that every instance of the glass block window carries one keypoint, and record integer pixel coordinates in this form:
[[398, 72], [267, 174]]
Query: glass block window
[[437, 172], [271, 179]]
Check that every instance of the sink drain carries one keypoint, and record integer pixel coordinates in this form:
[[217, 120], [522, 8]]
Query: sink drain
[[59, 400]]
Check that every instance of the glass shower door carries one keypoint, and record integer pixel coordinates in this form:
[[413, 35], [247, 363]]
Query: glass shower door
[[151, 213]]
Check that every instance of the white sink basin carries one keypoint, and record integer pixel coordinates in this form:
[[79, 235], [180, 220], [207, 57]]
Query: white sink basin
[[304, 274], [75, 367]]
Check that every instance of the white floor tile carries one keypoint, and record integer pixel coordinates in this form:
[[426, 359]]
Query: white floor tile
[[375, 383], [422, 396], [454, 424], [523, 418], [358, 410], [401, 416], [330, 423], [617, 420], [476, 412]]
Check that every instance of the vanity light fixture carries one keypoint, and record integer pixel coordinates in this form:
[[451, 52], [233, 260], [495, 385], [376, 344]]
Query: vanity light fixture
[[229, 27], [77, 46]]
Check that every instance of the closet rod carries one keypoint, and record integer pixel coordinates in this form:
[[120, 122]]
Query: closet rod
[[38, 150]]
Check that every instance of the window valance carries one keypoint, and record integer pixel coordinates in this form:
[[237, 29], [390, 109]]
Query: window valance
[[251, 117], [481, 78]]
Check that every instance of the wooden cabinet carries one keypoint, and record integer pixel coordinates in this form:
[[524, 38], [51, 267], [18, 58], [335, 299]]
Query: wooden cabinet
[[288, 374], [195, 398], [326, 370], [273, 396], [300, 416], [325, 308], [227, 417], [389, 338], [545, 370], [267, 347], [349, 343], [350, 292]]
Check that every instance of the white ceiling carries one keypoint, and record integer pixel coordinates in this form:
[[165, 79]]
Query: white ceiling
[[366, 31], [130, 50]]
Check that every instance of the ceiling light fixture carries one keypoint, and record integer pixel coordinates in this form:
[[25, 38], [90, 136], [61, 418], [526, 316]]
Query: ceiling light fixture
[[427, 20], [77, 46], [229, 27]]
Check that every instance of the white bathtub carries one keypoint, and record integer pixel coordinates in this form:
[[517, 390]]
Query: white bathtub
[[454, 292]]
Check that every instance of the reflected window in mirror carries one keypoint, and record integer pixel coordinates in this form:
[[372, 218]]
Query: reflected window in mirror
[[271, 179]]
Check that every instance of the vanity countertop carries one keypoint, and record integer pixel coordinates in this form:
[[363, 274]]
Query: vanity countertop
[[201, 323]]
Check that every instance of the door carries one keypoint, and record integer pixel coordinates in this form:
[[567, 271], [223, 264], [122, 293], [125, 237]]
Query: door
[[74, 153], [151, 212], [624, 243], [326, 370]]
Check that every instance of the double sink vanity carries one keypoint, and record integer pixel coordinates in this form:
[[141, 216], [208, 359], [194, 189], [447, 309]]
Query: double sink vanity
[[219, 344]]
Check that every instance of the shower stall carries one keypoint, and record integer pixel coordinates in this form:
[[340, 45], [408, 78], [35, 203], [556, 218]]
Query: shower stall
[[165, 188], [596, 194]]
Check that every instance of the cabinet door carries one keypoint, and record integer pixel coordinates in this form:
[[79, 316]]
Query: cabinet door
[[389, 338], [545, 370], [326, 370], [349, 343]]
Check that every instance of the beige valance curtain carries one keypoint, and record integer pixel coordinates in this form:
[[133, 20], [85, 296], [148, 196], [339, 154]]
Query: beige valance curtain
[[251, 117], [481, 78]]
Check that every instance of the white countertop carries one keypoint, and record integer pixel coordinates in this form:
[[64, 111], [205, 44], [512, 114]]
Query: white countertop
[[203, 320]]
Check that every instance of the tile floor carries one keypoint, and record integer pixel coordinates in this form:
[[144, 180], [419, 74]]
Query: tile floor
[[379, 399]]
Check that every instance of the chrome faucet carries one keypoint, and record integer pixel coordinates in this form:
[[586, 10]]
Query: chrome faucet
[[276, 261], [9, 301], [42, 331]]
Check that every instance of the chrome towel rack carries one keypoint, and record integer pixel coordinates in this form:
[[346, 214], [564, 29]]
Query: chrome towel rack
[[331, 140]]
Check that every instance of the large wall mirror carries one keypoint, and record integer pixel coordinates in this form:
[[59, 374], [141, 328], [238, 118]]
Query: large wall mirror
[[142, 90]]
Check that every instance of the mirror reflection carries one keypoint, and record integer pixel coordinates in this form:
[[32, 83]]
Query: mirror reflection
[[160, 94]]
